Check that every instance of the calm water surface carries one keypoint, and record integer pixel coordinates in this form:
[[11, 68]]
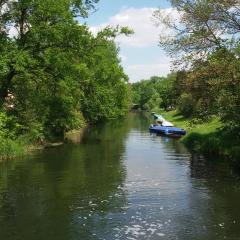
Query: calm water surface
[[120, 183]]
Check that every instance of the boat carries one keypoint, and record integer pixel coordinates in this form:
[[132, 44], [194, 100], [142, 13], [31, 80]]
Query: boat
[[167, 130], [158, 117], [166, 124], [160, 120]]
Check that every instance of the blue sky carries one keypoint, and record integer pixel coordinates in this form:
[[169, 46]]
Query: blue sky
[[141, 56], [108, 8]]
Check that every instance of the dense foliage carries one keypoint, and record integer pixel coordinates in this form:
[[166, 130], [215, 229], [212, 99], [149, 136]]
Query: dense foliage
[[54, 74], [155, 93], [203, 37], [205, 41]]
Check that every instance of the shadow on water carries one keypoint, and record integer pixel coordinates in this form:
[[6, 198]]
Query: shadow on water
[[121, 183], [71, 187]]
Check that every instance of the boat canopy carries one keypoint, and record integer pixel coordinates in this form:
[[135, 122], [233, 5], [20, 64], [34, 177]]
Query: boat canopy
[[161, 120], [159, 117], [167, 124]]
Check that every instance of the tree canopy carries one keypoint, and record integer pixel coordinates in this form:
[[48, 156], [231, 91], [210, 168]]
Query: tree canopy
[[54, 73], [205, 46]]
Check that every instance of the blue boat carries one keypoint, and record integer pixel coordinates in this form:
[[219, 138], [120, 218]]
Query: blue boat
[[168, 131]]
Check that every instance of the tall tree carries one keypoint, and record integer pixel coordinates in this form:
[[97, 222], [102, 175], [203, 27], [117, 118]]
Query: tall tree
[[206, 40], [203, 26], [51, 66]]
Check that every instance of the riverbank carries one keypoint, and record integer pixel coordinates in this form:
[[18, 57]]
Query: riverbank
[[14, 148], [207, 138]]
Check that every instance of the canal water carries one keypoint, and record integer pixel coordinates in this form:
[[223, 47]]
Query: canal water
[[121, 183]]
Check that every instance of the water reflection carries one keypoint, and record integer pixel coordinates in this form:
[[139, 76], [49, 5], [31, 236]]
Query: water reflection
[[121, 183], [72, 187], [221, 185]]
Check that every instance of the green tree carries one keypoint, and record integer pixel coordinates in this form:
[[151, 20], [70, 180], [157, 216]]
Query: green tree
[[155, 93], [206, 40], [55, 70]]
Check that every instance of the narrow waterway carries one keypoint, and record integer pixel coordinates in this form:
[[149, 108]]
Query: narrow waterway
[[121, 183]]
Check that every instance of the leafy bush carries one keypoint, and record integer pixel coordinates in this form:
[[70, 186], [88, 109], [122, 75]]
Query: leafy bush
[[186, 104]]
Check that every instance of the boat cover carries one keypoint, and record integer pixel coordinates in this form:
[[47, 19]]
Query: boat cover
[[167, 130], [167, 124], [159, 117]]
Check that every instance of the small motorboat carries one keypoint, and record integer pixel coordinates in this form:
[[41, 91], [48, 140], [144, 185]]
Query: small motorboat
[[167, 130], [158, 117], [166, 124], [160, 120]]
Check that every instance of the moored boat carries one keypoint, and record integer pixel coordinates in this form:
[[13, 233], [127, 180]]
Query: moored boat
[[160, 120], [158, 117], [168, 131]]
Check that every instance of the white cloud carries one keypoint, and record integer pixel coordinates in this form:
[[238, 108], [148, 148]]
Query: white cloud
[[137, 72], [123, 57], [146, 36], [141, 21], [94, 30]]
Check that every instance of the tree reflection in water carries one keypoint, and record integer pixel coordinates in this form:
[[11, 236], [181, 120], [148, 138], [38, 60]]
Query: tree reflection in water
[[71, 187]]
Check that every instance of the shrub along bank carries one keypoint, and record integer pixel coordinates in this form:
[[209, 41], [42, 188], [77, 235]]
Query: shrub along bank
[[209, 138]]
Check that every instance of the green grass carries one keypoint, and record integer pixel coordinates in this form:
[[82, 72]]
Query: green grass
[[208, 137], [10, 148], [191, 125]]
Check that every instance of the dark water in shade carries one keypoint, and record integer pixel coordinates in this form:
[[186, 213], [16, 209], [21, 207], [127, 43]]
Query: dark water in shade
[[120, 183]]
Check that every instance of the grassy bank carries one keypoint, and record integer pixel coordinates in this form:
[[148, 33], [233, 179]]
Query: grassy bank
[[14, 148], [208, 138], [11, 148]]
